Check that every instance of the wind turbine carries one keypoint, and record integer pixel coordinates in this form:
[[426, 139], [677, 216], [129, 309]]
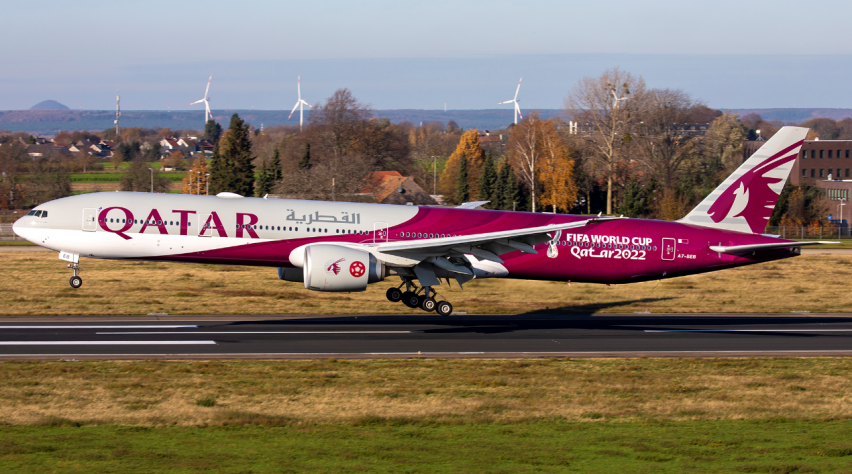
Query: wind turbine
[[299, 103], [206, 101], [517, 113]]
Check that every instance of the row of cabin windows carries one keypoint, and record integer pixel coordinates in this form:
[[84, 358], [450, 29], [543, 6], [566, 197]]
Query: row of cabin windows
[[608, 246], [421, 235], [822, 155], [822, 173], [38, 213]]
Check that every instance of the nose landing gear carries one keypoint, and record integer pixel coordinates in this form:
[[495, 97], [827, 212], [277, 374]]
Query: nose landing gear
[[75, 281], [423, 298]]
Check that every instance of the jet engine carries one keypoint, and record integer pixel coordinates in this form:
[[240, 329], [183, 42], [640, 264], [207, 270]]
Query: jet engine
[[329, 267]]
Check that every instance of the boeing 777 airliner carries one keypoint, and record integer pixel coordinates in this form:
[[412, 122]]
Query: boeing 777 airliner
[[336, 246]]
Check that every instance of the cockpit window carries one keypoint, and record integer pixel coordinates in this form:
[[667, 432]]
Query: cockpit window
[[31, 213], [38, 214], [43, 214]]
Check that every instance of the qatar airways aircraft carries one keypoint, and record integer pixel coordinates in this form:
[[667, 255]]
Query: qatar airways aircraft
[[337, 246]]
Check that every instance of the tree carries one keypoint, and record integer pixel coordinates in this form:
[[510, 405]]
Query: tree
[[264, 180], [47, 180], [220, 172], [334, 126], [499, 188], [212, 131], [236, 150], [724, 141], [469, 149], [462, 189], [488, 181], [525, 151], [175, 160], [197, 177], [511, 194], [138, 177], [275, 167], [608, 107], [305, 163], [556, 171]]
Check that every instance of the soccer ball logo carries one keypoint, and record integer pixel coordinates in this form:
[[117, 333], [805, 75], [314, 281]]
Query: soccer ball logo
[[357, 269]]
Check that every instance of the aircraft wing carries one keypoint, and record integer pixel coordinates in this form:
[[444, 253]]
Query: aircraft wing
[[737, 249]]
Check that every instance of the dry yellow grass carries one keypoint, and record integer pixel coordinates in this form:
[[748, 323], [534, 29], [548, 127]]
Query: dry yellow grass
[[235, 392], [36, 283]]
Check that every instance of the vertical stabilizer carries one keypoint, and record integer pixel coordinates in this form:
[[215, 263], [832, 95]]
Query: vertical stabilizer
[[744, 202]]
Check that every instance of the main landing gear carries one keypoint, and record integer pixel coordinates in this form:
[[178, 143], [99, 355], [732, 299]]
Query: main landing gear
[[75, 281], [423, 298]]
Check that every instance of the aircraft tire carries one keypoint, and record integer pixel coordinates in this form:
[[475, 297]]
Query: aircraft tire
[[394, 295], [410, 299], [428, 304], [444, 308], [76, 282]]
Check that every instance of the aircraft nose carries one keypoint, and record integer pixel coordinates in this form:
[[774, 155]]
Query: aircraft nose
[[19, 228]]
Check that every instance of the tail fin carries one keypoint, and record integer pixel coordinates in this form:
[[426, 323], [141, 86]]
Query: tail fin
[[744, 202]]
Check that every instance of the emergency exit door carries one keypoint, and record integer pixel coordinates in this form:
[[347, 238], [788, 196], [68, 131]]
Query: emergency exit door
[[669, 249]]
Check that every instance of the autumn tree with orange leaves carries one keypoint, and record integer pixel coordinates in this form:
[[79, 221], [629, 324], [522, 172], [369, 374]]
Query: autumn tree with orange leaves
[[196, 176], [470, 149], [556, 170]]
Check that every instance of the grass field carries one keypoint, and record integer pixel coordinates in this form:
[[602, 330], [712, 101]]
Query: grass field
[[543, 415], [107, 177], [37, 283], [545, 447]]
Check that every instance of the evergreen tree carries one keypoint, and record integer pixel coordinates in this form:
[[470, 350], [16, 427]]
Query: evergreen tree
[[488, 181], [462, 190], [511, 194], [275, 168], [236, 150], [305, 164], [220, 172], [212, 131], [264, 180], [499, 188]]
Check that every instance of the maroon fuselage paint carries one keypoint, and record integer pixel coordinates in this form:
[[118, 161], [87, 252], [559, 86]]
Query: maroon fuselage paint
[[619, 251]]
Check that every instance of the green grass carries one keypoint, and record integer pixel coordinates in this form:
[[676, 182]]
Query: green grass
[[378, 445], [98, 177], [16, 243]]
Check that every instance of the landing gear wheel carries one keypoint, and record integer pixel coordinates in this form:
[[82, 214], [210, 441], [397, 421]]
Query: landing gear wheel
[[76, 282], [444, 308], [394, 294], [428, 304], [410, 299]]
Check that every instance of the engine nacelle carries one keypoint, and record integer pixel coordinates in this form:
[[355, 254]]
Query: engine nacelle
[[330, 267]]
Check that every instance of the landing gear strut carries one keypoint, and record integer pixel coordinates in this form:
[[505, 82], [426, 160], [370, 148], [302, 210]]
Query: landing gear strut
[[75, 281], [423, 298]]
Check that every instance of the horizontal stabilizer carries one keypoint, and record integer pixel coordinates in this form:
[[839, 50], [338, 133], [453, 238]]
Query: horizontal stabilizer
[[472, 205], [754, 247]]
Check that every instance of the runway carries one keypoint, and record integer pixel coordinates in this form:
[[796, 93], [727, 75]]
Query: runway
[[531, 335]]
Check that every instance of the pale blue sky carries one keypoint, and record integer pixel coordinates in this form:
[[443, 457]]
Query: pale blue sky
[[396, 54]]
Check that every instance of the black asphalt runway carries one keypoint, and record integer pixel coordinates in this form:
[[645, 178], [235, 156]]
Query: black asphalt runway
[[530, 335]]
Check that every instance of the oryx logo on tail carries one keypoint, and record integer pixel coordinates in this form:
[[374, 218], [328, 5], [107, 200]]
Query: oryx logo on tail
[[751, 196], [744, 202]]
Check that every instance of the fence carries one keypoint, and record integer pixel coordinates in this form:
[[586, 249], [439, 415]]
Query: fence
[[810, 232], [6, 233]]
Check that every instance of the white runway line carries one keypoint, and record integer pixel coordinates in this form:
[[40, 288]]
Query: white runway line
[[748, 330], [100, 327], [105, 343], [260, 332]]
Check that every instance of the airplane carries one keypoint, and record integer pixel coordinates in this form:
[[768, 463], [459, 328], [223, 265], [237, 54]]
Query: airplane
[[343, 247]]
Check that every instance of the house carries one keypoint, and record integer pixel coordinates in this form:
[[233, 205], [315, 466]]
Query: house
[[43, 151], [390, 187]]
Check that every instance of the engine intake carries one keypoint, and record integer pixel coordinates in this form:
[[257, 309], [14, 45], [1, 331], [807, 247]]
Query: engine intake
[[338, 268]]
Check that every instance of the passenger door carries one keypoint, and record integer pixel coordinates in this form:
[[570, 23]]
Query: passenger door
[[90, 219]]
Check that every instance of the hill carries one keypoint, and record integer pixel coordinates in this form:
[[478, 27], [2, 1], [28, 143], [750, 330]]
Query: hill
[[49, 105]]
